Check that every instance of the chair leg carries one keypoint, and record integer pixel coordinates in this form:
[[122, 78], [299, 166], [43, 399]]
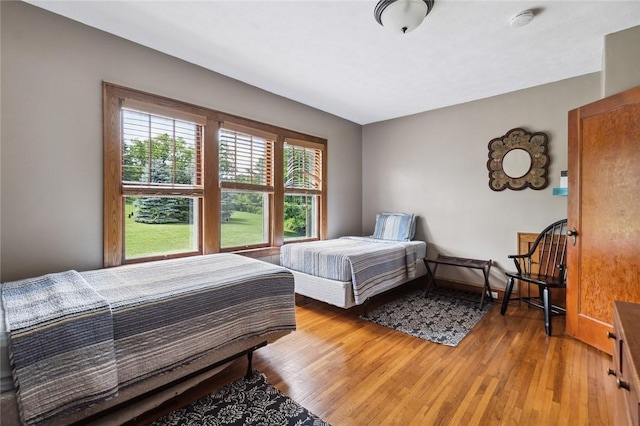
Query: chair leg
[[507, 295], [546, 300]]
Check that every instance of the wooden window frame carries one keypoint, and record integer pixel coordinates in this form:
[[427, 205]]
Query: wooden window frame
[[266, 188], [319, 193], [114, 97]]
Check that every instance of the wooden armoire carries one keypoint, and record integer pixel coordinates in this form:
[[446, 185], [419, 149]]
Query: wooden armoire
[[604, 214]]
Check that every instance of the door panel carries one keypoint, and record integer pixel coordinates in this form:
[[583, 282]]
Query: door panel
[[604, 207]]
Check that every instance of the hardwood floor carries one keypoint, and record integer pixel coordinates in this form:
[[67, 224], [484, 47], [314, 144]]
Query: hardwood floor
[[506, 371]]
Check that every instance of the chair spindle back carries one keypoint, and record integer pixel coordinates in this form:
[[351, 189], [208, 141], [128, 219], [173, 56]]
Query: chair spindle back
[[548, 253]]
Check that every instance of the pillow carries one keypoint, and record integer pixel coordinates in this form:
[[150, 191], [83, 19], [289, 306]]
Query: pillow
[[395, 226]]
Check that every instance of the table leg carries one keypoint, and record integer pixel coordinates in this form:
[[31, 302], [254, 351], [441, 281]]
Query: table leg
[[432, 278], [487, 287]]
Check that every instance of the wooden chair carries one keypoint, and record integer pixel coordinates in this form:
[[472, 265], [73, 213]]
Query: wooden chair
[[544, 265]]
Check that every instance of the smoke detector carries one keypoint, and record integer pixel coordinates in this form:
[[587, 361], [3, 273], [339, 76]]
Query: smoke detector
[[522, 19]]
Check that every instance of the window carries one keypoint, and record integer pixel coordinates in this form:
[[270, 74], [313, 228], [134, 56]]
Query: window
[[181, 180], [161, 163], [245, 170], [303, 189]]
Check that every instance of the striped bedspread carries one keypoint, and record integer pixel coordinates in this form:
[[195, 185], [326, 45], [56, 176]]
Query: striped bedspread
[[364, 262], [61, 344], [166, 314]]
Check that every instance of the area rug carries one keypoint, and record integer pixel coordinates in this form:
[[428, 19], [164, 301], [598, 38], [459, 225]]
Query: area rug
[[252, 401], [442, 318]]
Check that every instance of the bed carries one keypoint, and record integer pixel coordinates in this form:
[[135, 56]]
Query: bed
[[86, 343], [348, 271]]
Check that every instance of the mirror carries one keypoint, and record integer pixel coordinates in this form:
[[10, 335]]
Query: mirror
[[518, 160], [516, 163]]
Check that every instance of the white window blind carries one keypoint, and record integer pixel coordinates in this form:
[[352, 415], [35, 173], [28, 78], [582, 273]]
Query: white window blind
[[160, 155], [245, 159], [303, 168]]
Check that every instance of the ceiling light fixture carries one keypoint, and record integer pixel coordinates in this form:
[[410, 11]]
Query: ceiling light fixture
[[522, 19], [402, 16]]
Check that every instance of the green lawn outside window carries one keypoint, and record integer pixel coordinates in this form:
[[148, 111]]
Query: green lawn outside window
[[143, 239]]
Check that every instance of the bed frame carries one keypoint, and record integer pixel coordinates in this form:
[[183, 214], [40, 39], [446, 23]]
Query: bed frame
[[369, 266], [150, 393]]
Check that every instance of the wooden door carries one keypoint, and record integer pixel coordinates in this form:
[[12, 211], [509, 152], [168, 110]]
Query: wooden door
[[604, 209]]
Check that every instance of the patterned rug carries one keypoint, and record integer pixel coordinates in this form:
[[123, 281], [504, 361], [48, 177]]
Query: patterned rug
[[439, 318], [252, 401]]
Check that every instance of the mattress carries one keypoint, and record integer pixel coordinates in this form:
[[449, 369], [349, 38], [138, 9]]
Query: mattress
[[347, 271], [162, 315], [340, 293], [419, 246], [339, 259], [6, 378]]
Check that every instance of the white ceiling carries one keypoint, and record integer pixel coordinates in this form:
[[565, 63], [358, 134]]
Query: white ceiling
[[334, 56]]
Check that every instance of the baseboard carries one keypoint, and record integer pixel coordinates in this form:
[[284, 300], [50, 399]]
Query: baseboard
[[459, 285]]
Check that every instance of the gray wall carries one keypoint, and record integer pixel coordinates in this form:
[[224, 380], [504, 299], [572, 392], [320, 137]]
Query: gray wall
[[434, 164], [51, 136], [621, 61]]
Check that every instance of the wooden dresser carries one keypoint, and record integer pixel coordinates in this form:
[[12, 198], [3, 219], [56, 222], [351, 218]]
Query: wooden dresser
[[626, 362]]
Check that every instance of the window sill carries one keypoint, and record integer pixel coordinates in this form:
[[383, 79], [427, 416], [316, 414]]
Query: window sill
[[259, 252]]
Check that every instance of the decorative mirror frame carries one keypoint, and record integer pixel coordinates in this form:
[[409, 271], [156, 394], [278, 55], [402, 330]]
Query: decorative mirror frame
[[535, 144]]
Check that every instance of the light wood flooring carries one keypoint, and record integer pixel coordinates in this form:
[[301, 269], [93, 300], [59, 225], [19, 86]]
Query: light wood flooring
[[506, 371]]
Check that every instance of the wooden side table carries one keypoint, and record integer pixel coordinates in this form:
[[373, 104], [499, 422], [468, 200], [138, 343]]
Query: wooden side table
[[483, 265]]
